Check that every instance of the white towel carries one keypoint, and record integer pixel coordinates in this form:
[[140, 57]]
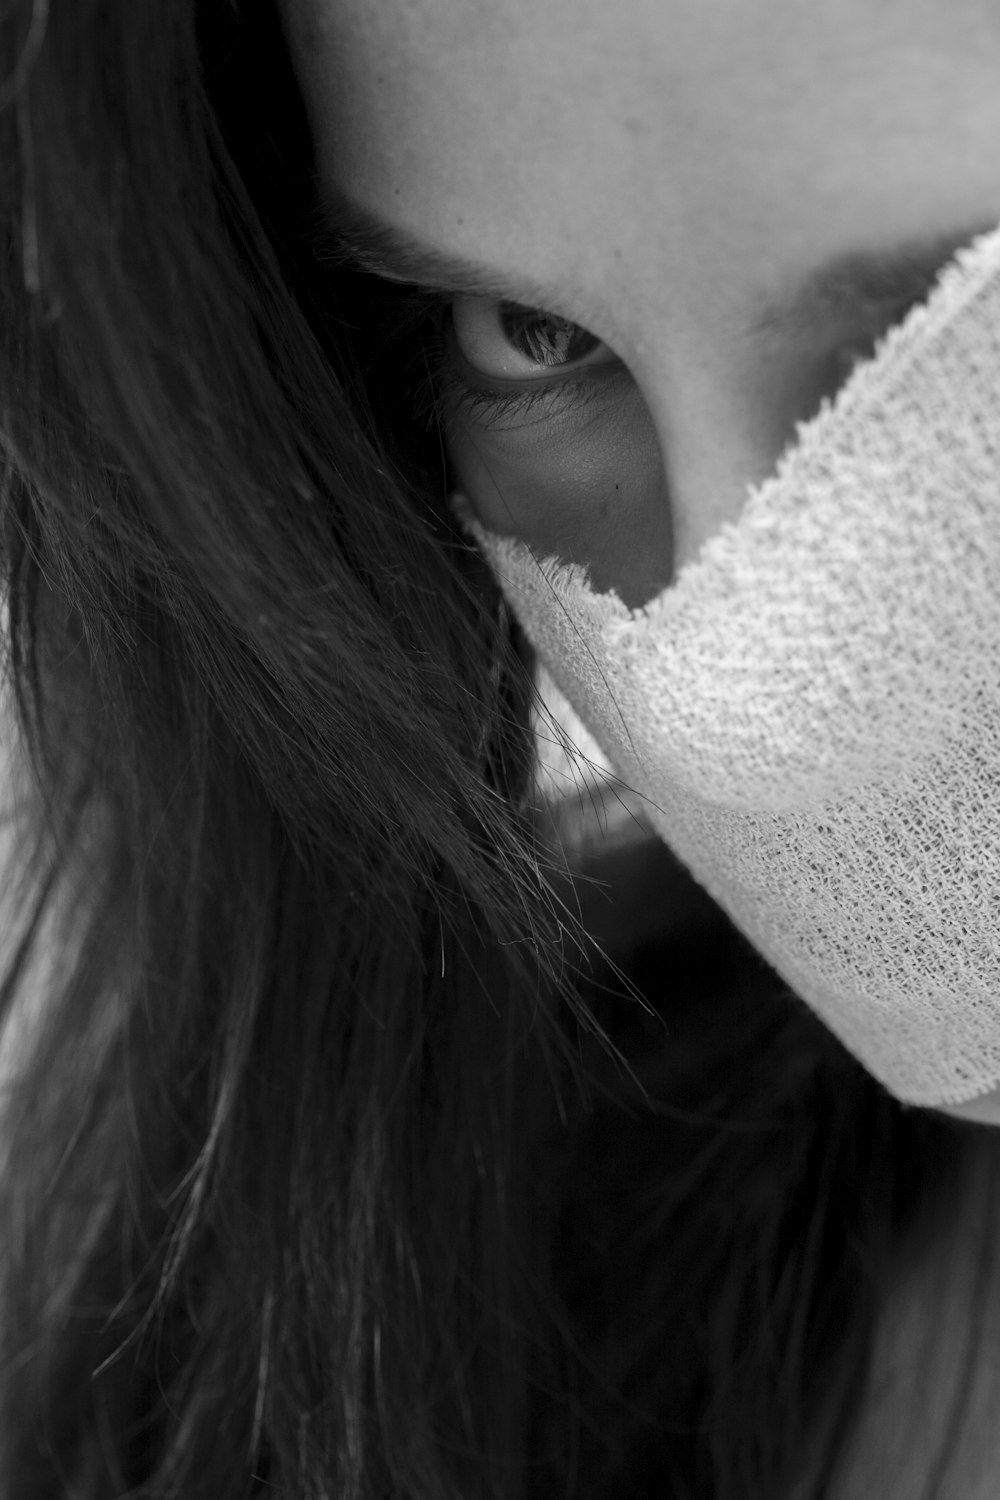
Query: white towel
[[813, 707]]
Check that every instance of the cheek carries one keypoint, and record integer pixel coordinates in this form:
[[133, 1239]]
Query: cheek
[[593, 493]]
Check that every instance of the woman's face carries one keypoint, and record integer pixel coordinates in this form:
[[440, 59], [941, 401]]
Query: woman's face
[[659, 232], [664, 229]]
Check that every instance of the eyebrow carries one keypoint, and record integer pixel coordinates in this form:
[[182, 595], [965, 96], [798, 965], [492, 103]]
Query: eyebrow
[[859, 284], [855, 283], [347, 233]]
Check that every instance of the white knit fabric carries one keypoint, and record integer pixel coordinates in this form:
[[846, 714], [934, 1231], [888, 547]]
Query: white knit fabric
[[813, 707]]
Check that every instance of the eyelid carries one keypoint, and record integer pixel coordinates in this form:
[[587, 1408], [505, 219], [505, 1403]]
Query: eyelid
[[452, 393], [496, 408]]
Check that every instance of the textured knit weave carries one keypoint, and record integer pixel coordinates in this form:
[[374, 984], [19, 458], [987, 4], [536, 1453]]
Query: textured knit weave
[[813, 707]]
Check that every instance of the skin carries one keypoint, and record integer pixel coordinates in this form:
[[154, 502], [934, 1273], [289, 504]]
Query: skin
[[654, 171]]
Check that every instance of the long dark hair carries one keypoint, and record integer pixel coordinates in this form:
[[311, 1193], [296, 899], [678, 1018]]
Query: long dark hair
[[324, 1173]]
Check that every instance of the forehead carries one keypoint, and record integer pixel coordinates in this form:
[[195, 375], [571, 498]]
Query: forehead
[[480, 76], [566, 133]]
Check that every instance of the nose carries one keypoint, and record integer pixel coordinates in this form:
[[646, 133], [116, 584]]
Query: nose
[[721, 429]]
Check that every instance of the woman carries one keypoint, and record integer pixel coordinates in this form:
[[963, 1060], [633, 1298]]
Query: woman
[[337, 1163]]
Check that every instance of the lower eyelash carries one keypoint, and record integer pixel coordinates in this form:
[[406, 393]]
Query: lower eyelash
[[444, 393], [439, 392]]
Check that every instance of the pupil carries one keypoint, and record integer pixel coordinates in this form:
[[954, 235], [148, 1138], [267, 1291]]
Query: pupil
[[542, 337]]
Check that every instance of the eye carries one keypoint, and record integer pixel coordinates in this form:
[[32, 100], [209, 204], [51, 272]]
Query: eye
[[506, 341]]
